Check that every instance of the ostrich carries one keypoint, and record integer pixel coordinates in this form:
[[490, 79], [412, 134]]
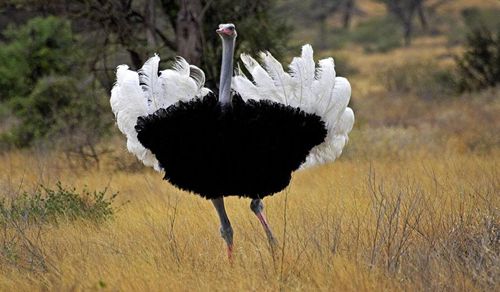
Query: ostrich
[[245, 144]]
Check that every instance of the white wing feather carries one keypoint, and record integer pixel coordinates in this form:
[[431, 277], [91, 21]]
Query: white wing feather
[[141, 93], [261, 77], [314, 90], [148, 79]]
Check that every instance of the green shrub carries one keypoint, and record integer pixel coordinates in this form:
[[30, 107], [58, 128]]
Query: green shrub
[[51, 205], [479, 66]]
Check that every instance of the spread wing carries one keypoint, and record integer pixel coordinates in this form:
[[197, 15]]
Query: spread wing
[[314, 89], [143, 92]]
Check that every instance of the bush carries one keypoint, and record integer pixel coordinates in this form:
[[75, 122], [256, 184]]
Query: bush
[[51, 205], [24, 219], [479, 66]]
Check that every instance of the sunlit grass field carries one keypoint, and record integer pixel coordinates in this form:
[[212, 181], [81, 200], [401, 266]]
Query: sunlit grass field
[[425, 221]]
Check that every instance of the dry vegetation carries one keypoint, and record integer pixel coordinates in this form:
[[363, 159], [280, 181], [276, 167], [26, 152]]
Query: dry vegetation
[[412, 204], [422, 221]]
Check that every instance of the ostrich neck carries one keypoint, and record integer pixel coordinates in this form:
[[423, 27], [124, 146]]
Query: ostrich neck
[[226, 71]]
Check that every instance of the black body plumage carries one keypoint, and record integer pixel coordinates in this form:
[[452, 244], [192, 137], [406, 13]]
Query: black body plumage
[[248, 149]]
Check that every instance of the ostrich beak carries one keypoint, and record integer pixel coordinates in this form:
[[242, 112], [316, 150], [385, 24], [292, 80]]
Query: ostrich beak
[[225, 31]]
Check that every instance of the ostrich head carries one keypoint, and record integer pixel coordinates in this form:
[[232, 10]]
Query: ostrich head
[[227, 30]]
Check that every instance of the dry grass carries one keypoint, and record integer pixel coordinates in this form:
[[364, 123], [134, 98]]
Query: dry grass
[[417, 222]]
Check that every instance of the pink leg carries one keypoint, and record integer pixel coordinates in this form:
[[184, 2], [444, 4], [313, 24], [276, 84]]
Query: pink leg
[[258, 208]]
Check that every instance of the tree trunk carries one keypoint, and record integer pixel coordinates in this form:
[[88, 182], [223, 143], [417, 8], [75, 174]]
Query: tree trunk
[[188, 31], [422, 17], [408, 30], [322, 36], [150, 23], [404, 11], [348, 11]]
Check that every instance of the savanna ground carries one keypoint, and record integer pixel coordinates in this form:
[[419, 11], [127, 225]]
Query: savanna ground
[[413, 203]]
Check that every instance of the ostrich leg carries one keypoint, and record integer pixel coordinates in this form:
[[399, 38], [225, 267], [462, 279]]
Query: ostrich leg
[[258, 208], [226, 231]]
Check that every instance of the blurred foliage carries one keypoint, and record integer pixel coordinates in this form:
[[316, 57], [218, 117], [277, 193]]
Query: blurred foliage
[[41, 47], [44, 85], [476, 18], [378, 34], [426, 79], [55, 109], [405, 11], [479, 67], [343, 66], [470, 19]]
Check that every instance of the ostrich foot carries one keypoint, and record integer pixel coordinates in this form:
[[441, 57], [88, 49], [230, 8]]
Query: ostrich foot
[[226, 231]]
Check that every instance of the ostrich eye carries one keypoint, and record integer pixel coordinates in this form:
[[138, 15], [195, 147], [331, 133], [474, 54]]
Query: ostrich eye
[[231, 28]]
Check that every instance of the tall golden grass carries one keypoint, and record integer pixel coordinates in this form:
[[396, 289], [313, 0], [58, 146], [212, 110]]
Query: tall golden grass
[[416, 221]]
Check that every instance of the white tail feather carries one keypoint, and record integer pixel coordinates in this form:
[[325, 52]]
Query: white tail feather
[[280, 77], [316, 91], [141, 93], [181, 66], [197, 75], [249, 62], [148, 78]]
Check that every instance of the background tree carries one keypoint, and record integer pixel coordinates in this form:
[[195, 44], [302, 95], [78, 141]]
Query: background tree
[[350, 6], [316, 15], [321, 10], [405, 11]]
